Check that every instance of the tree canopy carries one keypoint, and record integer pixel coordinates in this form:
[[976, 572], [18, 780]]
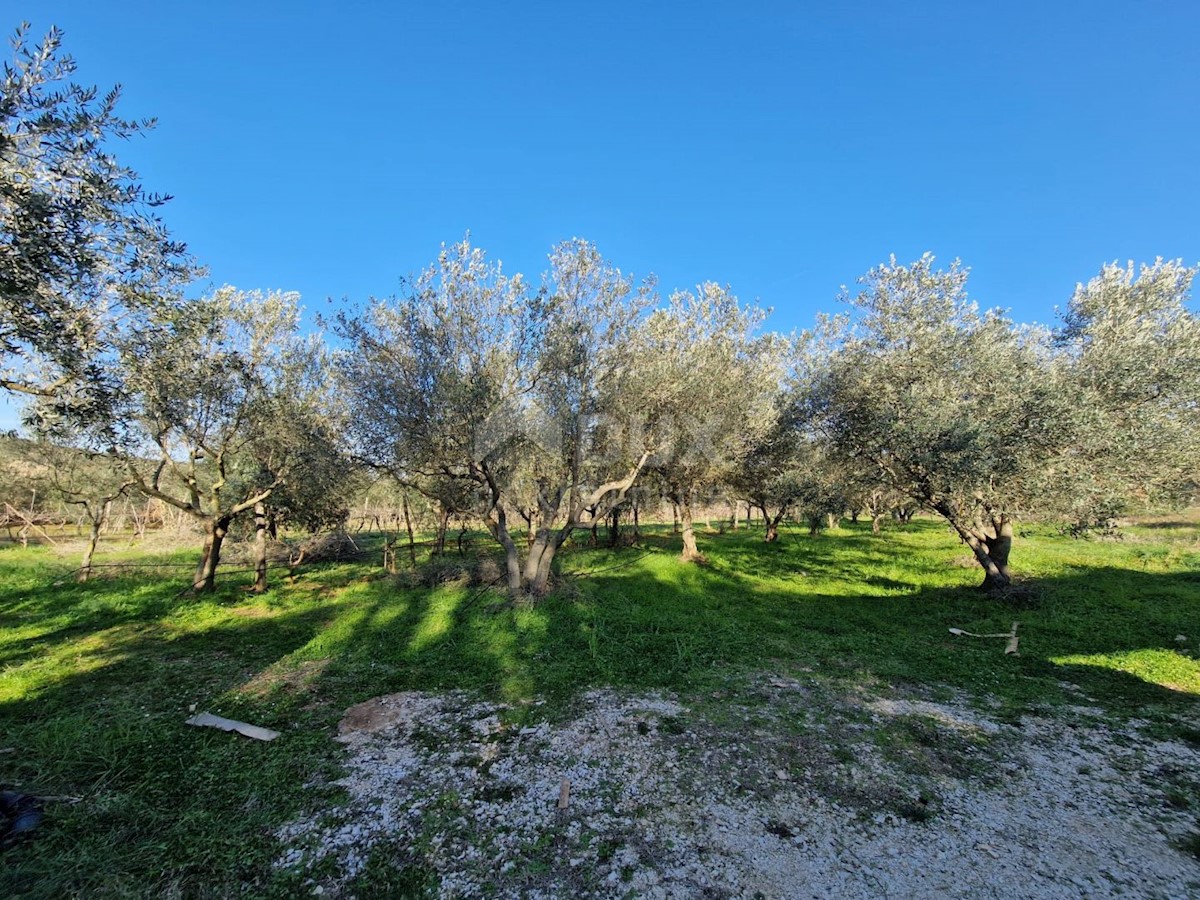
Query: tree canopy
[[83, 251], [980, 420], [546, 402], [474, 377]]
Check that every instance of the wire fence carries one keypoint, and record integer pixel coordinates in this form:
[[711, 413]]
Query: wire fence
[[393, 551]]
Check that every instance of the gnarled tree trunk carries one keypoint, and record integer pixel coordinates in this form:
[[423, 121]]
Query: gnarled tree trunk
[[690, 552], [439, 541], [512, 557], [772, 534], [614, 532], [537, 576], [991, 544], [210, 556], [533, 578]]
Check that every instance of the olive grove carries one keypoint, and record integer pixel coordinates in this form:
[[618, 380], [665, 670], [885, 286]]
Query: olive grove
[[542, 407], [981, 420]]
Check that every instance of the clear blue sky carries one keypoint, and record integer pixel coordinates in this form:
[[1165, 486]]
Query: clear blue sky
[[782, 148]]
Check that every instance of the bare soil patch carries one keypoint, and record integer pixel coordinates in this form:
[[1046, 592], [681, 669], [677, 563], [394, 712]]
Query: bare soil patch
[[777, 787], [296, 679]]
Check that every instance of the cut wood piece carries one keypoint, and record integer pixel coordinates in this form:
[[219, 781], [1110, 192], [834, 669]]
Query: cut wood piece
[[1010, 649], [208, 720], [564, 793]]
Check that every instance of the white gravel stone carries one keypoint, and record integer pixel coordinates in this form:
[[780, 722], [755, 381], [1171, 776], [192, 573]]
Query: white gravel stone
[[1049, 811]]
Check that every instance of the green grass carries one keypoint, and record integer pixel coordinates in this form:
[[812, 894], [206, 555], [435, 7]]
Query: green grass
[[97, 679]]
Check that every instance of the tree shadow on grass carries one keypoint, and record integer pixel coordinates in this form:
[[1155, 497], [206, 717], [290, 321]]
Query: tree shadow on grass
[[192, 809], [894, 629]]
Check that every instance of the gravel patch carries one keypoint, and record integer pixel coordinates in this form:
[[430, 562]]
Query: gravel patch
[[776, 787]]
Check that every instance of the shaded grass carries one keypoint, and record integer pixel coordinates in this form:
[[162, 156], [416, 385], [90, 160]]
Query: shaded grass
[[96, 679]]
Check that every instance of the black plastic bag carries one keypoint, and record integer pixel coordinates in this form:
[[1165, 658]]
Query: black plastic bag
[[19, 815]]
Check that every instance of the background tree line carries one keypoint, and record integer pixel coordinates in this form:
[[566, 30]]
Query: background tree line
[[544, 406]]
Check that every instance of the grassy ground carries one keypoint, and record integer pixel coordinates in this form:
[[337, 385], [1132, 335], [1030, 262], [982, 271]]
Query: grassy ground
[[97, 679]]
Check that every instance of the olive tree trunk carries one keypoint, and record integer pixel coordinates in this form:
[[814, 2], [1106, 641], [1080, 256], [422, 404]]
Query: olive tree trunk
[[772, 534], [541, 558], [205, 580], [533, 576], [690, 552], [85, 567], [260, 548], [991, 544], [614, 527], [439, 541]]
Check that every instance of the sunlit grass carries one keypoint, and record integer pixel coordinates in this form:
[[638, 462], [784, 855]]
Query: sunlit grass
[[1166, 668], [97, 679]]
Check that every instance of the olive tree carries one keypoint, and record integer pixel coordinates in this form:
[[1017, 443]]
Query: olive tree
[[1132, 347], [957, 408], [89, 481], [83, 252], [769, 459], [310, 478], [473, 376], [980, 420], [224, 400], [707, 380]]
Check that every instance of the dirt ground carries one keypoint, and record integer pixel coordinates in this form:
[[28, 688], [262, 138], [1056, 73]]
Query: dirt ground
[[775, 787]]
